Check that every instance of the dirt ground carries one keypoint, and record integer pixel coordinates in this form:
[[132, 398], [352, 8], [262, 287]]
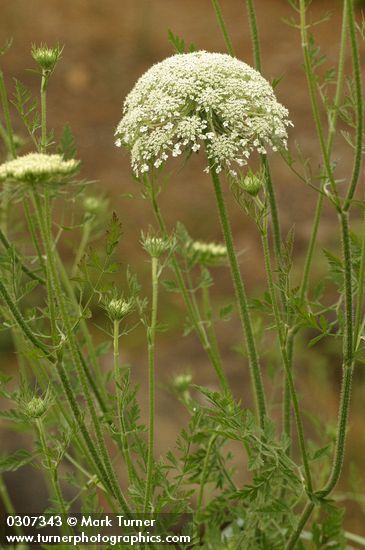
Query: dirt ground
[[108, 45]]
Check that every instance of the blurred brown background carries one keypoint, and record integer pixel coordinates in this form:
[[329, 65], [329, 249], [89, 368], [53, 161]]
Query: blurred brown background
[[108, 45]]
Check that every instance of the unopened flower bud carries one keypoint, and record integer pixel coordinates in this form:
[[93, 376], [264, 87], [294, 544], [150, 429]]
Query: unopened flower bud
[[46, 57], [36, 407], [155, 246], [182, 382], [252, 183], [118, 308], [94, 205]]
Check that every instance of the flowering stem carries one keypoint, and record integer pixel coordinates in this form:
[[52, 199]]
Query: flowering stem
[[199, 329], [254, 364], [222, 25], [151, 337], [120, 413]]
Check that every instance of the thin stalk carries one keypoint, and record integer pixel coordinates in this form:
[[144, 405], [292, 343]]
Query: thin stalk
[[348, 363], [120, 413], [319, 206], [359, 104], [6, 244], [101, 393], [199, 329], [222, 25], [20, 321], [255, 370], [44, 82], [57, 493], [82, 247], [314, 101], [254, 34], [8, 124], [110, 478], [204, 472], [293, 539], [331, 134], [208, 312], [255, 41], [151, 336], [360, 291], [347, 369], [287, 365], [32, 225]]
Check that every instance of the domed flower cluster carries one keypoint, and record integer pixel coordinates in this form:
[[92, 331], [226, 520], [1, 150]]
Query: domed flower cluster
[[200, 99], [38, 167]]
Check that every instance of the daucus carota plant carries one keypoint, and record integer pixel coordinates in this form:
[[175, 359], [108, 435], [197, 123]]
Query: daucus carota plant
[[249, 482]]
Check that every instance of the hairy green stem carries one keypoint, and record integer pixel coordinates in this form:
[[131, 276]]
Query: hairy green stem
[[222, 25], [82, 247], [331, 134], [255, 370], [360, 291], [359, 104], [8, 124], [120, 412], [151, 337], [52, 469], [347, 368], [314, 102], [44, 83], [254, 34]]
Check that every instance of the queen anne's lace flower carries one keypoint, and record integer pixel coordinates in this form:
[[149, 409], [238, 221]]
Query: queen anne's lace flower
[[38, 167], [201, 98]]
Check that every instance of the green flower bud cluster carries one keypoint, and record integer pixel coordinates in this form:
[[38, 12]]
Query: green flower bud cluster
[[46, 57], [156, 246], [118, 308], [94, 205], [36, 407]]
